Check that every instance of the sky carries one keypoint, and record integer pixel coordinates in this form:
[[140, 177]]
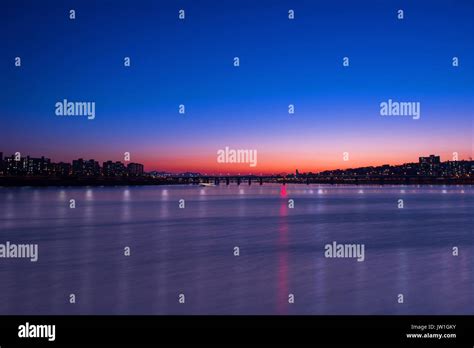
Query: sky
[[282, 62]]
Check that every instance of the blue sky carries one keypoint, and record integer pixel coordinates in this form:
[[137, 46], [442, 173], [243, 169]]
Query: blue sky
[[282, 62]]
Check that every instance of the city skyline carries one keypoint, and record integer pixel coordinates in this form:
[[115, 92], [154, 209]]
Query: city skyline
[[36, 165]]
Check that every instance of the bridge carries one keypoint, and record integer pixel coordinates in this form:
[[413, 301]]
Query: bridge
[[354, 180]]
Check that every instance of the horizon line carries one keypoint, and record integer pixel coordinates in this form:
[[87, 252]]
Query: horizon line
[[232, 172]]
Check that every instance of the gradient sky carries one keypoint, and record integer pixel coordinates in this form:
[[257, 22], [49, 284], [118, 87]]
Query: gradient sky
[[282, 62]]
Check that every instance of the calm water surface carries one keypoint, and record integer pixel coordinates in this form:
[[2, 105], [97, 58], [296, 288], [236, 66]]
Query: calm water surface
[[190, 251]]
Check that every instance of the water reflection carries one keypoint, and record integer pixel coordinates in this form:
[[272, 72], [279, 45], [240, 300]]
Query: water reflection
[[283, 292], [189, 250]]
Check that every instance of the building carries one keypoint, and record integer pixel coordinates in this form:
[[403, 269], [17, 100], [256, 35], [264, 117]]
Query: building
[[61, 169], [386, 170], [456, 169], [409, 169], [1, 163], [38, 166], [135, 169], [120, 169], [110, 169], [78, 167], [92, 168], [432, 159], [85, 168], [15, 165], [429, 166]]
